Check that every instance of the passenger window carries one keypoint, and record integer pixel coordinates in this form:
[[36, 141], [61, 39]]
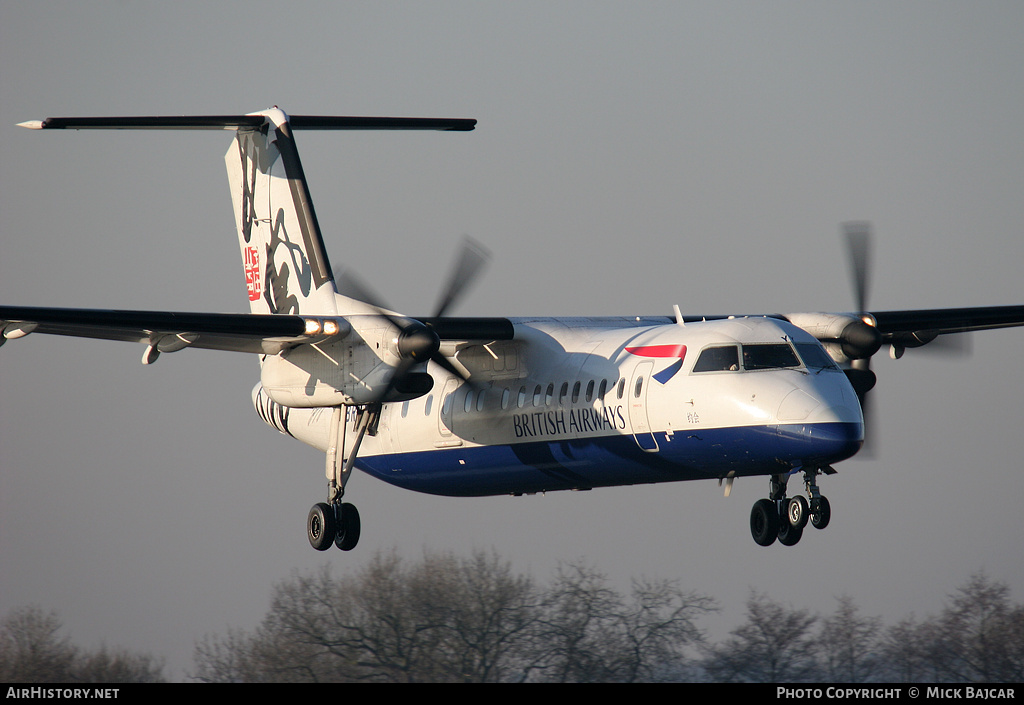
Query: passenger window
[[590, 390], [621, 388], [480, 400], [504, 398], [563, 392], [603, 389], [638, 386], [549, 394], [469, 401], [718, 359], [575, 392], [429, 403], [522, 397]]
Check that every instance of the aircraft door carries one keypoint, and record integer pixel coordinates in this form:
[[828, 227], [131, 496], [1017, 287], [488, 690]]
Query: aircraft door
[[385, 434], [446, 407], [637, 403]]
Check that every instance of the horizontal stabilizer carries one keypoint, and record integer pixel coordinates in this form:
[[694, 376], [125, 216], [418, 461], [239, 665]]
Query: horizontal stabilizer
[[234, 122]]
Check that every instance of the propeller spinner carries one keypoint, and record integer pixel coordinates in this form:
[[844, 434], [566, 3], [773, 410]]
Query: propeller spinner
[[418, 342]]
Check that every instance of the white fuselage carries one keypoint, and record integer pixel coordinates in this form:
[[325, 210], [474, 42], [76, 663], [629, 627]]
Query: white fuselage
[[581, 403]]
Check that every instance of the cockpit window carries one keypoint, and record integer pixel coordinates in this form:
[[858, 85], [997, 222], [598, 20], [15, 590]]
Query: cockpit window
[[815, 357], [720, 359], [769, 356]]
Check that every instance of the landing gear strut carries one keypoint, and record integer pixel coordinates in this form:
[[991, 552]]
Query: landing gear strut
[[782, 518], [335, 521]]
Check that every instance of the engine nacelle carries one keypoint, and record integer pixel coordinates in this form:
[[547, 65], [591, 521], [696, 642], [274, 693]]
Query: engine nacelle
[[846, 336], [352, 371], [307, 376]]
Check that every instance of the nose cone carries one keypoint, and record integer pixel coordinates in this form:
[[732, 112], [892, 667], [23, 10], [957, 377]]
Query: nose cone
[[821, 442], [821, 424]]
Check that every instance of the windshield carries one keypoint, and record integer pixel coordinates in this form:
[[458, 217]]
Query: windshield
[[720, 359], [764, 356], [815, 357], [769, 356]]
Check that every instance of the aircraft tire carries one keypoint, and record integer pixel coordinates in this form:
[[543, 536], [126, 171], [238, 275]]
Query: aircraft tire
[[348, 528], [764, 522], [789, 535], [320, 526], [797, 512], [822, 515]]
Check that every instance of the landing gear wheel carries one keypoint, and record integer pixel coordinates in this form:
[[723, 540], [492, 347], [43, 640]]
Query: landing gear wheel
[[764, 522], [789, 535], [348, 527], [320, 526], [797, 512], [821, 513]]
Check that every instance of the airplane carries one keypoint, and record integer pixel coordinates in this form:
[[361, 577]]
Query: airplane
[[487, 406]]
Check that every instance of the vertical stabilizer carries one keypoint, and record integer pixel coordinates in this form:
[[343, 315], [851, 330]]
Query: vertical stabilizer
[[283, 254]]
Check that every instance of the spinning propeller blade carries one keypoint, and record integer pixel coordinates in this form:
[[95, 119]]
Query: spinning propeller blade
[[858, 248], [418, 342]]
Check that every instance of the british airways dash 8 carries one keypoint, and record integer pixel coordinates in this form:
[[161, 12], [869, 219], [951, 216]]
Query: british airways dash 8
[[497, 405]]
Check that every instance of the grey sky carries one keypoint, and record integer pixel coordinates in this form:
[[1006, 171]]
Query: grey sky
[[628, 157]]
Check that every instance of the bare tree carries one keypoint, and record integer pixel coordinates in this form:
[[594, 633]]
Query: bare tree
[[575, 641], [774, 645], [117, 666], [32, 651], [486, 615], [975, 639], [588, 632], [449, 619], [904, 651], [441, 619], [849, 644], [1014, 634]]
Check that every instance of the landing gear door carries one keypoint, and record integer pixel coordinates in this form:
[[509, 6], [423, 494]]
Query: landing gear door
[[637, 395]]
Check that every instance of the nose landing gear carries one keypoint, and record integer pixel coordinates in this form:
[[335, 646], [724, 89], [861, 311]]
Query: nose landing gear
[[782, 518]]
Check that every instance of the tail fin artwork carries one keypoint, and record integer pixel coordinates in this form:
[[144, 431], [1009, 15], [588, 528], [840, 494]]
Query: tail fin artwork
[[286, 266]]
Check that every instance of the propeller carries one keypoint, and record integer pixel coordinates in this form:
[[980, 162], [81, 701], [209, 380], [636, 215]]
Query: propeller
[[418, 342], [860, 340], [863, 337], [858, 247]]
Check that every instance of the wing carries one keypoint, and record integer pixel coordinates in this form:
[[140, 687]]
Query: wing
[[910, 327], [167, 331]]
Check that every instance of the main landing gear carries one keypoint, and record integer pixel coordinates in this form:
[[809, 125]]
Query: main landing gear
[[782, 518], [335, 521]]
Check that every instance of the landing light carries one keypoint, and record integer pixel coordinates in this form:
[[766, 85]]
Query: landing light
[[331, 327], [312, 326]]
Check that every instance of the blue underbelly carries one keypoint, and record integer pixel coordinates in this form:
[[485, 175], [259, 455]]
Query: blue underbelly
[[605, 461]]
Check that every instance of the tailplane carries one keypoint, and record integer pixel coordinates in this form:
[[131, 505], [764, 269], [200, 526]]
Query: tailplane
[[283, 255]]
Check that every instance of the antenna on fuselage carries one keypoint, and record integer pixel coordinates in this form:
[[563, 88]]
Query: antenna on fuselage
[[679, 314]]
